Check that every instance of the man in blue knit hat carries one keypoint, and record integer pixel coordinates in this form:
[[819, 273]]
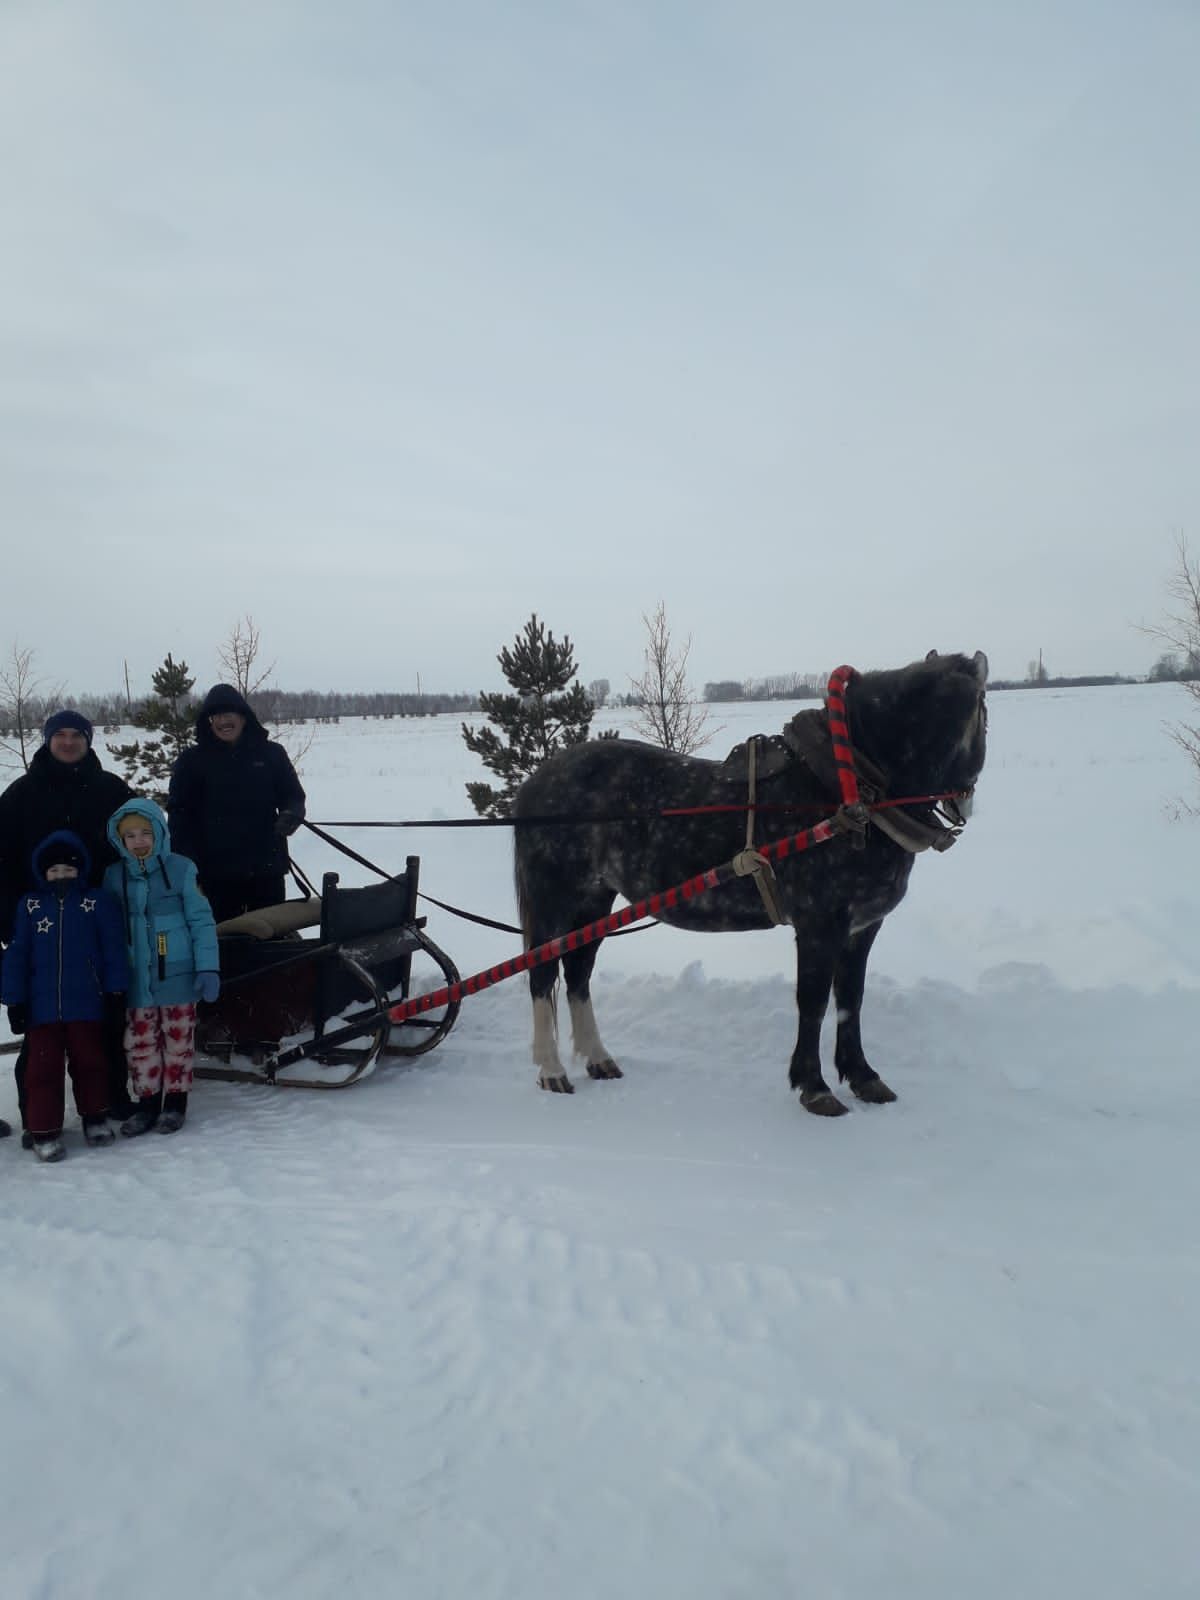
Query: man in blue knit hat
[[64, 788]]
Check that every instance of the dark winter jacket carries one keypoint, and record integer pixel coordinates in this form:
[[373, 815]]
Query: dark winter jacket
[[53, 795], [67, 949], [224, 799], [168, 925]]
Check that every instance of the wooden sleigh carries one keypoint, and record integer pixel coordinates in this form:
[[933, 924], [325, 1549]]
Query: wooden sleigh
[[292, 973]]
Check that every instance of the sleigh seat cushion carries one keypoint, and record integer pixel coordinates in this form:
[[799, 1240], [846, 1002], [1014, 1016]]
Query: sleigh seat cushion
[[274, 922]]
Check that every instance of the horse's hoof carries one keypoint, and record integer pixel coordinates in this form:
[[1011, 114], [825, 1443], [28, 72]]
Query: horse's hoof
[[604, 1069], [874, 1091], [562, 1085], [824, 1103]]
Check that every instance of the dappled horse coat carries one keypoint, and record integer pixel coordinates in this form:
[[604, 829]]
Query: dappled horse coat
[[917, 731]]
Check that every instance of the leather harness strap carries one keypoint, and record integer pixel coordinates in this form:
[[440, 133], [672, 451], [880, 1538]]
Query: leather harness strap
[[748, 863]]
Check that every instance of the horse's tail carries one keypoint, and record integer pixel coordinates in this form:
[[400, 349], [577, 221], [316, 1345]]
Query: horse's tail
[[523, 882], [524, 907]]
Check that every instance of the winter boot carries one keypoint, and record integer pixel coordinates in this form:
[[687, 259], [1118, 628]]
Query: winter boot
[[26, 1139], [96, 1130], [173, 1112], [143, 1119], [5, 1128], [49, 1147]]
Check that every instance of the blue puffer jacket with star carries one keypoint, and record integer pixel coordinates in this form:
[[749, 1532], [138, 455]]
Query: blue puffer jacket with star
[[68, 946], [169, 929]]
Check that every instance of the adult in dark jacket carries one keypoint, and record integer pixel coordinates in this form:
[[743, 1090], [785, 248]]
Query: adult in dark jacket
[[233, 801], [65, 787]]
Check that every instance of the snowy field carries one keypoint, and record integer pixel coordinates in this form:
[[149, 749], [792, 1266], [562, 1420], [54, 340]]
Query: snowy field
[[447, 1336]]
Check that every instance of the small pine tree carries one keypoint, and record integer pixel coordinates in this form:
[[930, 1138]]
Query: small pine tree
[[540, 716], [168, 713]]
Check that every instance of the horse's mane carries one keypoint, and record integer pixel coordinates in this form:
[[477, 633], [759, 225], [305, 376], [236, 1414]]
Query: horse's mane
[[912, 718]]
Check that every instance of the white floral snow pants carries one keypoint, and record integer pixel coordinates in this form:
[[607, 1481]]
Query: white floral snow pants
[[160, 1044]]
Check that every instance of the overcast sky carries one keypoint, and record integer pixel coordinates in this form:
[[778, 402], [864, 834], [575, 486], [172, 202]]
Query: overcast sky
[[847, 330]]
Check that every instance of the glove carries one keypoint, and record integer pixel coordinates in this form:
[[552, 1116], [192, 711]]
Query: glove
[[114, 1009], [208, 986], [286, 824], [18, 1018]]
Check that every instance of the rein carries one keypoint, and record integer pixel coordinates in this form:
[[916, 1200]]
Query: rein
[[653, 905], [845, 759], [455, 911], [850, 818]]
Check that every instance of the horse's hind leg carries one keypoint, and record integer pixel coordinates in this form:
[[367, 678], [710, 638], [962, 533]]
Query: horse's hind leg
[[849, 981], [585, 1036], [546, 898], [552, 904], [543, 989]]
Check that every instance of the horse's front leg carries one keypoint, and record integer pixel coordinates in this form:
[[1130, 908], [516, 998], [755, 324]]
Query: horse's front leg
[[849, 981], [585, 1035], [816, 949]]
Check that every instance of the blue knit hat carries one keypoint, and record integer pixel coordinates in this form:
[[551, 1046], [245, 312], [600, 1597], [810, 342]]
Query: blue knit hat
[[67, 719]]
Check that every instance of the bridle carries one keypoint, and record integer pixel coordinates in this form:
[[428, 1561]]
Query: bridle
[[863, 787]]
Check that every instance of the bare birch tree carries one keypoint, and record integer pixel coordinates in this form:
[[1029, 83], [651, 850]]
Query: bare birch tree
[[240, 657], [669, 713], [1179, 630], [23, 701]]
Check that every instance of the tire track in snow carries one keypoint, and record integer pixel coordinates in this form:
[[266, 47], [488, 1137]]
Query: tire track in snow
[[514, 1321]]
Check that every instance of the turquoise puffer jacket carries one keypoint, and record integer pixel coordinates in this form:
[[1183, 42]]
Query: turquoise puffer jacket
[[169, 929]]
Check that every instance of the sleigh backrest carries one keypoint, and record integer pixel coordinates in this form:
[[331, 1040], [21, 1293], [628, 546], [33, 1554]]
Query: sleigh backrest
[[357, 913]]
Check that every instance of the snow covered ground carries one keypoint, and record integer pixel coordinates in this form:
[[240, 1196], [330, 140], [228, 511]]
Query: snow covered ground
[[446, 1336]]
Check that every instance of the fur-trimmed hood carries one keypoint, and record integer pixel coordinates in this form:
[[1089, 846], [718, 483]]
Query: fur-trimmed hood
[[158, 823]]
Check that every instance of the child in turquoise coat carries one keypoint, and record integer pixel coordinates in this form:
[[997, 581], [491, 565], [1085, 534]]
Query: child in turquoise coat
[[171, 940]]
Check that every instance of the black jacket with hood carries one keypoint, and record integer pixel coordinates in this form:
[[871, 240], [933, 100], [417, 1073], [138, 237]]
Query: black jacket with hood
[[79, 796], [224, 798]]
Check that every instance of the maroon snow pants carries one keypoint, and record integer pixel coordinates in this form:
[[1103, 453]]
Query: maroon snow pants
[[82, 1044]]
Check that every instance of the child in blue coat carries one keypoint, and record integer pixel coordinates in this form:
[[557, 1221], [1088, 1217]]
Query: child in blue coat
[[64, 967], [171, 941]]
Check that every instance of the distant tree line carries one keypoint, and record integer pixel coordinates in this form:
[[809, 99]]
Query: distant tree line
[[27, 698], [812, 686], [271, 705], [288, 705], [1176, 668], [780, 686], [167, 714], [1088, 681], [1038, 676]]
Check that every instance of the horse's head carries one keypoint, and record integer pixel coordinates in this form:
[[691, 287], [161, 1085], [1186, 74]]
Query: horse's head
[[925, 725]]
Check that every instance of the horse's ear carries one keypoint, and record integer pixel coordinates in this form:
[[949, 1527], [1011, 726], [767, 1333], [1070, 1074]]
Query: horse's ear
[[981, 666], [932, 656]]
